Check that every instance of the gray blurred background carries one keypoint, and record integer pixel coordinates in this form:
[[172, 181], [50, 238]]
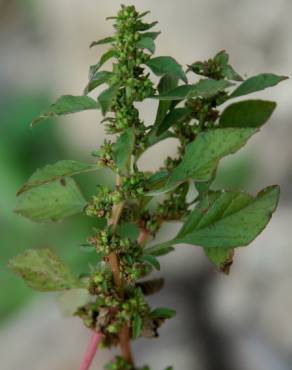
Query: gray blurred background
[[240, 322]]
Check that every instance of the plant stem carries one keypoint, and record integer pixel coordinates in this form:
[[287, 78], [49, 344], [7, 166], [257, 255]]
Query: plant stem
[[91, 351]]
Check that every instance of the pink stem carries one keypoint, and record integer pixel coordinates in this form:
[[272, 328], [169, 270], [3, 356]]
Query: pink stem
[[91, 351]]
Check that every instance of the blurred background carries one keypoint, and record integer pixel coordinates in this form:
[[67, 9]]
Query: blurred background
[[239, 322]]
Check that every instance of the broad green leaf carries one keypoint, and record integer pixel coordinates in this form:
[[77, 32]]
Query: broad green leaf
[[42, 270], [204, 88], [158, 250], [104, 58], [97, 79], [248, 113], [222, 258], [152, 260], [128, 230], [137, 326], [167, 65], [152, 35], [228, 219], [141, 26], [66, 104], [106, 40], [257, 83], [53, 201], [56, 171], [175, 116], [123, 149], [166, 83], [203, 154], [106, 98], [146, 43], [163, 313]]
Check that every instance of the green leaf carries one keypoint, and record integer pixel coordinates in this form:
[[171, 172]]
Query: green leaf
[[98, 78], [163, 313], [146, 43], [106, 98], [145, 26], [106, 40], [42, 270], [228, 219], [222, 258], [158, 250], [204, 88], [203, 154], [166, 83], [222, 59], [152, 35], [249, 113], [66, 104], [257, 83], [167, 65], [149, 287], [137, 326], [152, 260], [123, 149], [53, 201], [104, 58], [56, 171], [128, 230], [175, 116]]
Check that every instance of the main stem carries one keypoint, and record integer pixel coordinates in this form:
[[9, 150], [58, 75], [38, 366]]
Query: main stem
[[124, 335]]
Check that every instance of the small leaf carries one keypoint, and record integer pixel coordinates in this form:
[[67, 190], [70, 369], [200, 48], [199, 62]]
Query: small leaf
[[158, 250], [228, 219], [149, 287], [166, 83], [56, 171], [152, 260], [203, 154], [42, 270], [137, 326], [175, 116], [257, 83], [249, 113], [205, 88], [98, 78], [53, 201], [166, 65], [222, 59], [106, 98], [123, 149], [145, 26], [106, 40], [146, 43], [222, 258], [163, 313], [128, 230], [66, 104], [152, 35]]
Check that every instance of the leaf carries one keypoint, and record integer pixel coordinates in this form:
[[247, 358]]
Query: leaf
[[149, 287], [163, 313], [152, 35], [70, 300], [123, 149], [222, 59], [106, 98], [228, 219], [56, 171], [222, 258], [249, 113], [204, 88], [98, 78], [166, 83], [175, 116], [158, 250], [167, 65], [128, 230], [137, 326], [146, 43], [257, 83], [42, 270], [152, 260], [66, 104], [104, 58], [53, 201], [203, 154], [144, 26], [106, 40]]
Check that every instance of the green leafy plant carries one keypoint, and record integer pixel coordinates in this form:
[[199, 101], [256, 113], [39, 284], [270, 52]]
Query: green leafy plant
[[111, 295]]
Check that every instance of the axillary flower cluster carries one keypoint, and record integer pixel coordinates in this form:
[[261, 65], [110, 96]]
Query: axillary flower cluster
[[132, 212]]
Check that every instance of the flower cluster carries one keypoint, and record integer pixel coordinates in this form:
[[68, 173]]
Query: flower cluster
[[102, 203]]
